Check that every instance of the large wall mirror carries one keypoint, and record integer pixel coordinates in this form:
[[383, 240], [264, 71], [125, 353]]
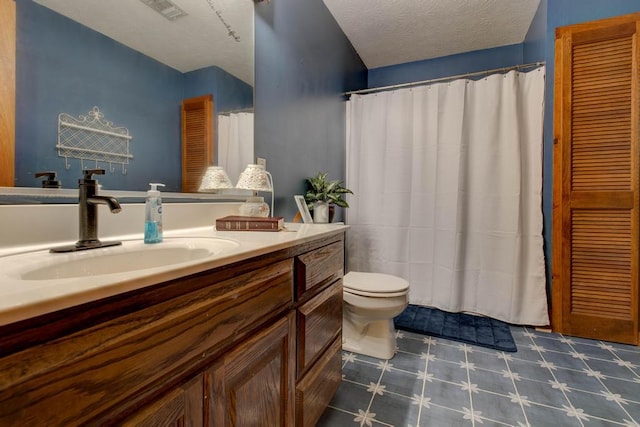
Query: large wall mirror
[[135, 61]]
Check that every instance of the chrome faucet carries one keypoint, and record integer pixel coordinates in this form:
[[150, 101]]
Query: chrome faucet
[[88, 203]]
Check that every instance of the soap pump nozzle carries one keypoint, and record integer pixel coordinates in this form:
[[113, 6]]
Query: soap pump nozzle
[[154, 188]]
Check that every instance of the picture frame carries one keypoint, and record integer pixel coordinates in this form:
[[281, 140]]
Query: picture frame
[[303, 209]]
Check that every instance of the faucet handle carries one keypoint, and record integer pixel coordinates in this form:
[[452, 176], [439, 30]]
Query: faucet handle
[[87, 173]]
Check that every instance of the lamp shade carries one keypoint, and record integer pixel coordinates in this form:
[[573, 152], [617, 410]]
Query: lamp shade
[[255, 178], [215, 178]]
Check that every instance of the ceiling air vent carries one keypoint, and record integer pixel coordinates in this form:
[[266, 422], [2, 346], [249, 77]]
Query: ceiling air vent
[[165, 8]]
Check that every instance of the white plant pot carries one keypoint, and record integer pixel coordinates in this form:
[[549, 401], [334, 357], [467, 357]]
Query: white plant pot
[[321, 212]]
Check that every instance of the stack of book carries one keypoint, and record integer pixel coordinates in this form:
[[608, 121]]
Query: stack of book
[[249, 223]]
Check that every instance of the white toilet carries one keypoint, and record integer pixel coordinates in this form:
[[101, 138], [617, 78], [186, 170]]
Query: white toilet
[[371, 301]]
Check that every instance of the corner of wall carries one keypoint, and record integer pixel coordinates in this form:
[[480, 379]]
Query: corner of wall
[[534, 44]]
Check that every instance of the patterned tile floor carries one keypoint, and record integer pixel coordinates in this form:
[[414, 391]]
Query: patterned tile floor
[[552, 380]]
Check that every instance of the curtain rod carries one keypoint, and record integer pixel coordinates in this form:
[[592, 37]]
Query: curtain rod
[[442, 79]]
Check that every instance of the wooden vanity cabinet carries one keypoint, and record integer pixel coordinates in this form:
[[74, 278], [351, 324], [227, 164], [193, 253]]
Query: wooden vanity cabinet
[[232, 346]]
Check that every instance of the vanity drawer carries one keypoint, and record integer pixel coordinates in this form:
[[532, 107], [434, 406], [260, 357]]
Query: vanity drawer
[[319, 322], [316, 389], [318, 267]]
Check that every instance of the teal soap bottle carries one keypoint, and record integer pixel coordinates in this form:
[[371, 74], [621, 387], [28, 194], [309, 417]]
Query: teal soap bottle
[[153, 215]]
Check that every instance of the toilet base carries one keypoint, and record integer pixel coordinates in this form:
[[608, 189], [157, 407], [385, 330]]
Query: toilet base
[[376, 339]]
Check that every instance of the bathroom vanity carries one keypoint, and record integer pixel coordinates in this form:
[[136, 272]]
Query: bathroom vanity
[[252, 338]]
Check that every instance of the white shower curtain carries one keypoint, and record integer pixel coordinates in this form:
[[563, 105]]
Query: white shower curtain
[[447, 181], [235, 142]]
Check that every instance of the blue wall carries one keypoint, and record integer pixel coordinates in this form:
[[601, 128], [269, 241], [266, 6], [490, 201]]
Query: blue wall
[[535, 49], [453, 65], [62, 66], [304, 63], [230, 93]]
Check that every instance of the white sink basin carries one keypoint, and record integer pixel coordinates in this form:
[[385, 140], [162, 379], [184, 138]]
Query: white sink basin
[[130, 257]]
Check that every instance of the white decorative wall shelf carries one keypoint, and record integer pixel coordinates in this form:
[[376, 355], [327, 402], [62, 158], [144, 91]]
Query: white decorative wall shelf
[[92, 138]]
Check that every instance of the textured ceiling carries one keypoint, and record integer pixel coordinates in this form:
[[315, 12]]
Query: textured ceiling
[[390, 32], [383, 32], [188, 43]]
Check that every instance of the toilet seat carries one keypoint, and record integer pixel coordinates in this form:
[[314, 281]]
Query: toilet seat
[[375, 294], [374, 284]]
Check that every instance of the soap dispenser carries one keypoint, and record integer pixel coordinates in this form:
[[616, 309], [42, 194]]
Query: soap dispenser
[[153, 215], [51, 181]]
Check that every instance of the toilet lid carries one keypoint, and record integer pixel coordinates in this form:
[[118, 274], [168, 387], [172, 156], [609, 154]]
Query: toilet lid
[[374, 283]]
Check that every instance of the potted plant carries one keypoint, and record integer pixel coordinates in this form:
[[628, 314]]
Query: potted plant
[[322, 195]]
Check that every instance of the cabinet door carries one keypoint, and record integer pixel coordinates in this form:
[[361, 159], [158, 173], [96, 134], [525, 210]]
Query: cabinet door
[[253, 385], [596, 193], [181, 407]]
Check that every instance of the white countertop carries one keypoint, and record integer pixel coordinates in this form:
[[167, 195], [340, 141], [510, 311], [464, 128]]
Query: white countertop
[[22, 299]]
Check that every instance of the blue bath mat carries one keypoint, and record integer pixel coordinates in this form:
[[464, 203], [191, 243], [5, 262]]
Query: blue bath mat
[[467, 328]]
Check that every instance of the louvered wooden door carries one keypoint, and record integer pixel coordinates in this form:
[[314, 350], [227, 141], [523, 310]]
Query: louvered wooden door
[[197, 140], [595, 218]]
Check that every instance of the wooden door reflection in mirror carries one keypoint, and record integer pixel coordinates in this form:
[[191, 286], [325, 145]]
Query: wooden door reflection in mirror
[[7, 91]]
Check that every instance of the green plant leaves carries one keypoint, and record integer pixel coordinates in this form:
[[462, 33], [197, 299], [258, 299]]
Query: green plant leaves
[[323, 190]]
